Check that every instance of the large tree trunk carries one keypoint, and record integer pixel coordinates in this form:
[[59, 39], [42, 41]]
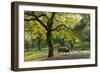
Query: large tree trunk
[[50, 46]]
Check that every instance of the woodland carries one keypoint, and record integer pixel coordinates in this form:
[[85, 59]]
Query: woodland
[[45, 32]]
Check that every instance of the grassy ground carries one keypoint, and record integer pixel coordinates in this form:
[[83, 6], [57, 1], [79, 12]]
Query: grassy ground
[[81, 50], [35, 55]]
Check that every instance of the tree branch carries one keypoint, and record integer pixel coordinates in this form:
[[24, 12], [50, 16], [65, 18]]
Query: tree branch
[[62, 25], [52, 17], [29, 19], [42, 24], [50, 21], [27, 14], [37, 19], [41, 15], [32, 14]]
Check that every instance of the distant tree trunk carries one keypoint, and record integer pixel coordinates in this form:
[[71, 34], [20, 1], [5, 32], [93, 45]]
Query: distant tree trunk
[[32, 45], [27, 45], [71, 44], [39, 43], [62, 42], [50, 46]]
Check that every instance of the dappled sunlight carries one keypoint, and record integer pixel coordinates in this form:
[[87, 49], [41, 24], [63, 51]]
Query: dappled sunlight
[[56, 36]]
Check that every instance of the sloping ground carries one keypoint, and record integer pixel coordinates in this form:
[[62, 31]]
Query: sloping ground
[[73, 55], [62, 56]]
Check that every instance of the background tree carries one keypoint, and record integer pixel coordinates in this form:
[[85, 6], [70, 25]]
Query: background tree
[[34, 31], [82, 30], [70, 20]]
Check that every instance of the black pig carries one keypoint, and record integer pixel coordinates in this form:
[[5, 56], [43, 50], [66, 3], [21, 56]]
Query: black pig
[[63, 49]]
